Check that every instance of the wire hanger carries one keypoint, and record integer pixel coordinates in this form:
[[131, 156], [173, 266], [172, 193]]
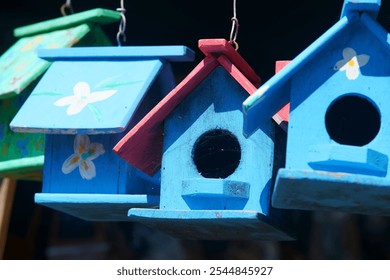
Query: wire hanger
[[67, 6], [235, 25], [122, 24]]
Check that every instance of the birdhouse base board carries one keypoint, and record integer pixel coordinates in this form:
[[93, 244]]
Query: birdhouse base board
[[210, 224], [320, 190], [29, 168], [96, 207]]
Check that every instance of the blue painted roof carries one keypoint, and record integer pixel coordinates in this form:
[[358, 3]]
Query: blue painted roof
[[171, 53], [93, 90], [275, 93]]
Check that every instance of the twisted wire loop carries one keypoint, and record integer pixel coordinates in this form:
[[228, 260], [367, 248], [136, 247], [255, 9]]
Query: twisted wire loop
[[122, 25], [67, 6], [235, 25]]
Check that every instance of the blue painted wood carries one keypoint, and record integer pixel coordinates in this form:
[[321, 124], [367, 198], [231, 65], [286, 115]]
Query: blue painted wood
[[206, 109], [86, 105], [237, 206], [323, 171], [211, 224], [96, 207], [274, 94], [99, 96], [171, 53], [370, 7], [121, 85], [330, 191]]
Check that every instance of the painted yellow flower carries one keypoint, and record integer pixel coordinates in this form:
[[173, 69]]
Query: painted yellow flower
[[84, 154], [351, 63]]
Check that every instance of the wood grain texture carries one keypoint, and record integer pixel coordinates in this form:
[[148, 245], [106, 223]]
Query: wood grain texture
[[7, 193]]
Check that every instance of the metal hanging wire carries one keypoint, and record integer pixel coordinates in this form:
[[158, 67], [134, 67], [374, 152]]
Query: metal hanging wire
[[235, 25], [122, 24], [67, 6]]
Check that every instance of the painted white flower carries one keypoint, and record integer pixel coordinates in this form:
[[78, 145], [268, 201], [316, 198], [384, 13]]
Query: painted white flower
[[351, 63], [84, 154], [82, 96]]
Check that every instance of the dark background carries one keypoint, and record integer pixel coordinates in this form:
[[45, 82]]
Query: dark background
[[269, 31]]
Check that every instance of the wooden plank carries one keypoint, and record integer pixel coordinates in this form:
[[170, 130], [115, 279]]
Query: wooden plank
[[282, 117], [171, 53], [7, 193], [237, 74], [219, 47], [122, 86], [98, 16]]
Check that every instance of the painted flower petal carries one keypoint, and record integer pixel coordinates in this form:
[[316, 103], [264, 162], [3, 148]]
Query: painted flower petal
[[87, 169], [76, 107], [352, 73], [82, 90], [81, 144], [64, 101], [340, 65], [348, 53], [100, 95], [70, 163], [362, 59], [95, 150]]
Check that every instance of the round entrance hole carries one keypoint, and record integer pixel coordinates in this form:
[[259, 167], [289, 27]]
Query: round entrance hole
[[217, 154], [352, 120]]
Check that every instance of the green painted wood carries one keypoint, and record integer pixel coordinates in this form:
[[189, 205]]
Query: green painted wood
[[21, 154], [20, 65], [95, 16]]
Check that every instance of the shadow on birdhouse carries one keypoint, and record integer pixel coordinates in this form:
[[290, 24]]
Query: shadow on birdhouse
[[215, 183], [85, 103], [21, 154], [337, 154]]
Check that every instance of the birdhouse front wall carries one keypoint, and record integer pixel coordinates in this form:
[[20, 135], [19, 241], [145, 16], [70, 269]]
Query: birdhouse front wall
[[207, 162], [339, 118]]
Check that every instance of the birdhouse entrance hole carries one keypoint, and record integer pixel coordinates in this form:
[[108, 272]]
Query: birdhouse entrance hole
[[217, 154], [352, 120]]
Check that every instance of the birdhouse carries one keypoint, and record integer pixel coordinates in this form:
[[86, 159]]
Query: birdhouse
[[84, 104], [215, 183], [337, 152], [21, 155]]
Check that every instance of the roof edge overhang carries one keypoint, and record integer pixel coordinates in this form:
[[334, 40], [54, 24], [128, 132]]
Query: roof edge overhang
[[275, 93], [218, 47], [94, 16], [171, 53]]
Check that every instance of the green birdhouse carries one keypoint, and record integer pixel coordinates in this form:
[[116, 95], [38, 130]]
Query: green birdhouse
[[22, 154]]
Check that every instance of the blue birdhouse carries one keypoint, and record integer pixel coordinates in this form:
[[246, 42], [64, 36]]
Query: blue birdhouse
[[85, 103], [215, 183], [337, 152], [21, 154]]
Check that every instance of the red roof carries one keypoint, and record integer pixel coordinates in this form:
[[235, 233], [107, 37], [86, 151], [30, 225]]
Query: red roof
[[142, 145]]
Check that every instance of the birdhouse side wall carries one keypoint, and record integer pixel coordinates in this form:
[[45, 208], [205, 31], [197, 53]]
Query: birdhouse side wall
[[331, 101], [86, 164], [215, 107]]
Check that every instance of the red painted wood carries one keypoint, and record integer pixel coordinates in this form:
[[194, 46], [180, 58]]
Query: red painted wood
[[236, 74], [142, 145], [219, 47], [282, 116]]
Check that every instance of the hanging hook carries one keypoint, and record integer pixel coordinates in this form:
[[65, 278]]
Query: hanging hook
[[122, 24], [67, 6], [235, 25]]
